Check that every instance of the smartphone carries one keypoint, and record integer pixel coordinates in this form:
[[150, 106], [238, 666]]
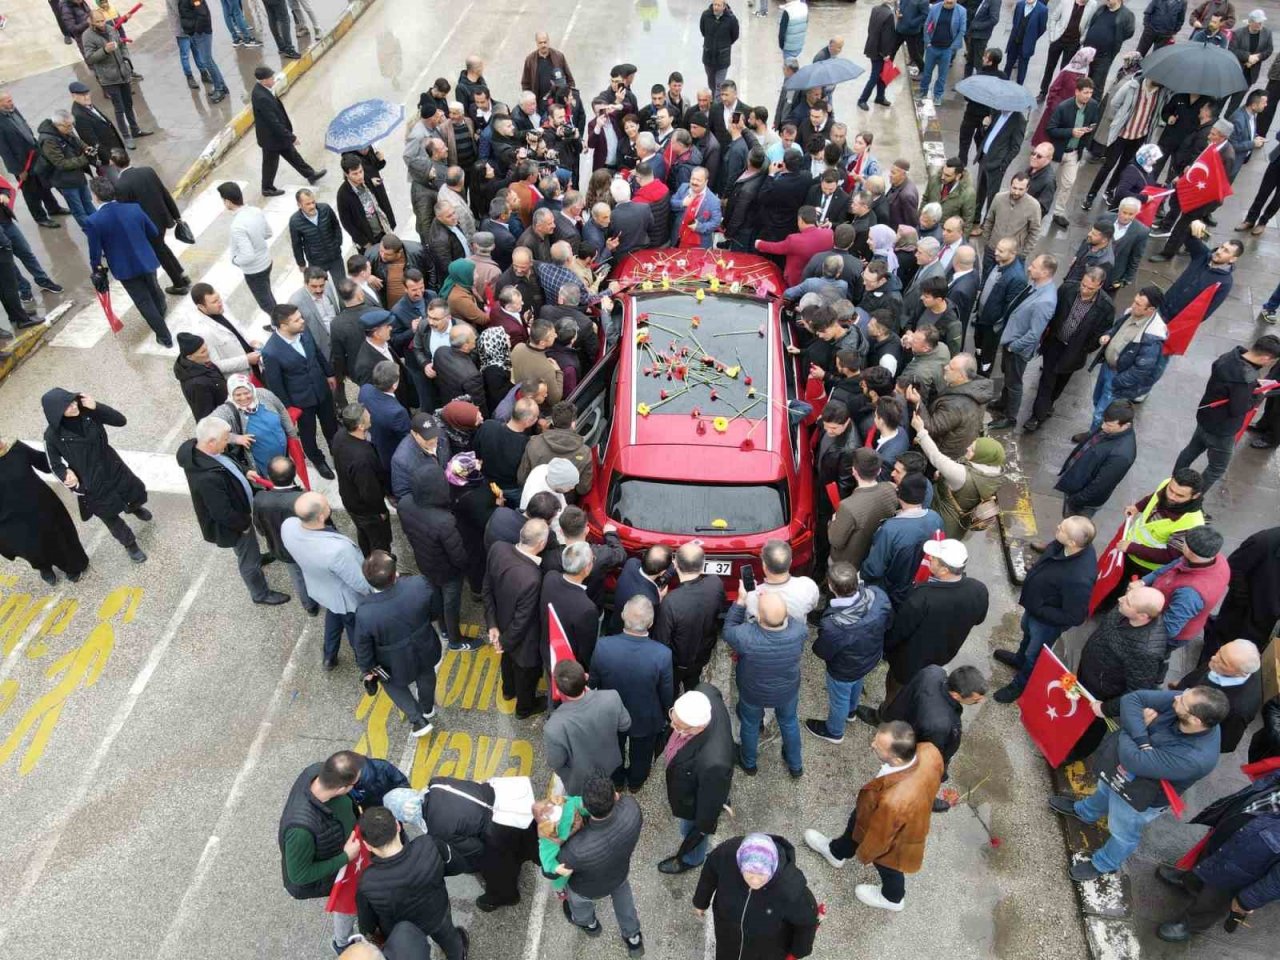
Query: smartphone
[[749, 578], [737, 116]]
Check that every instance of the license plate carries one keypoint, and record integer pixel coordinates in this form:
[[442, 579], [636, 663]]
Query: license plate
[[717, 568]]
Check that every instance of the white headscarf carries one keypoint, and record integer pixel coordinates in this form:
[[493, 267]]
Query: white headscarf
[[882, 239], [234, 383]]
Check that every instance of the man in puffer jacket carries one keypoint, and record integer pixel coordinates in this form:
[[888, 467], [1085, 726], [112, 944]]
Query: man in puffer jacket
[[851, 642], [1161, 21], [768, 674], [793, 25]]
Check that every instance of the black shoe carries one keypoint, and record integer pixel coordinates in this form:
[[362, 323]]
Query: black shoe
[[58, 211], [592, 931], [1007, 694], [290, 55], [635, 945], [76, 577], [135, 553], [1082, 436], [49, 285], [272, 192], [486, 903], [273, 599], [142, 513], [940, 805], [267, 558], [218, 96], [1084, 871], [178, 290], [819, 729], [1060, 221], [1064, 806], [143, 133], [1258, 443], [1176, 932], [1160, 258], [868, 715], [1087, 202], [192, 83], [796, 774], [749, 771], [166, 342], [1004, 423], [49, 224], [49, 577], [1210, 221], [324, 470], [1008, 658], [1031, 426], [318, 175], [1172, 876], [31, 321], [883, 103], [539, 706], [862, 105], [674, 865]]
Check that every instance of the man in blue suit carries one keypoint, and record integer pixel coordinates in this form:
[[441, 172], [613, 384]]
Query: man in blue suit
[[1005, 278], [122, 233], [1024, 325], [1030, 19], [390, 420], [695, 212], [639, 669], [298, 373]]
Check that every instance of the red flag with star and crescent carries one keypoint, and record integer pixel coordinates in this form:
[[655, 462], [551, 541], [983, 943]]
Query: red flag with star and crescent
[[1054, 720], [1184, 326], [1204, 182], [1110, 567], [342, 895], [1152, 197]]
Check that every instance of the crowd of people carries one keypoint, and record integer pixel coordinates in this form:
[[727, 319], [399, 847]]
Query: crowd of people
[[441, 371]]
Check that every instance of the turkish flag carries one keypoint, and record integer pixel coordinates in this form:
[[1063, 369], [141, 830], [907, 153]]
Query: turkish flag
[[293, 447], [342, 896], [889, 72], [1110, 568], [1152, 198], [558, 642], [922, 572], [1053, 720], [1204, 182], [1183, 327]]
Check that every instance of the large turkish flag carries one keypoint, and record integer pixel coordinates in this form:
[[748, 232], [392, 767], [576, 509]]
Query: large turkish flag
[[1054, 720], [558, 643], [1204, 182]]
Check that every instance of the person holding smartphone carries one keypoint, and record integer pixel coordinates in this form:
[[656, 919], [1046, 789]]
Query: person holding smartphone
[[1070, 130]]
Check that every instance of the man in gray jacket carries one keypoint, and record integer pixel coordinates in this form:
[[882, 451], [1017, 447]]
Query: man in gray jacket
[[104, 52], [581, 736], [331, 566], [1024, 323]]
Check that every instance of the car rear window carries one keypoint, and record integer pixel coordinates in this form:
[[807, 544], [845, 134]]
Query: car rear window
[[728, 330], [689, 508]]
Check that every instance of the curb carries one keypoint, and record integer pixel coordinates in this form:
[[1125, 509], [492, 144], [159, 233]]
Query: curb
[[242, 122], [32, 339]]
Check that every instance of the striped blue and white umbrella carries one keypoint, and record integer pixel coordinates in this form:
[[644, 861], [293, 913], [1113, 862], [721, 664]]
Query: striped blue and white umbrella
[[362, 124]]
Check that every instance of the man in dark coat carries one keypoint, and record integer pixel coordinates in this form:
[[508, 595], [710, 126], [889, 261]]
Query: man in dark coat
[[688, 619], [271, 508], [81, 457], [1252, 604], [1055, 597], [719, 28], [394, 641], [1234, 668], [223, 502], [639, 669], [512, 587], [301, 379], [362, 480], [439, 550], [1079, 325], [882, 42], [316, 237], [93, 127], [999, 144], [274, 130], [203, 385], [781, 198], [932, 703], [638, 577], [405, 881], [143, 186], [1099, 462], [699, 757], [457, 371], [564, 587], [18, 152]]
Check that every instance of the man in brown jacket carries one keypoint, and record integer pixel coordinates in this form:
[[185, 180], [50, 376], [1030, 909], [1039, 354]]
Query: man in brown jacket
[[890, 821], [529, 361], [545, 68], [861, 513]]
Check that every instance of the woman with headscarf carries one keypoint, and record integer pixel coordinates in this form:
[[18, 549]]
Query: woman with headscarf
[[459, 290], [83, 459], [1063, 86], [966, 484], [260, 423], [1136, 176], [472, 504], [760, 901], [460, 420], [34, 524], [493, 351], [1127, 115], [882, 239]]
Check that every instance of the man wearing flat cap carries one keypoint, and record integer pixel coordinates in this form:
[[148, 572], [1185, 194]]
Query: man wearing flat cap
[[203, 385]]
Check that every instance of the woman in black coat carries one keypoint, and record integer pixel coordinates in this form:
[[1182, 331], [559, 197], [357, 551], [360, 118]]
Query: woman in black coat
[[83, 459], [757, 922], [34, 525]]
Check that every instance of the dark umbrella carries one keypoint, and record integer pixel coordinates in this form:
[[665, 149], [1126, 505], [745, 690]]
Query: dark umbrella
[[1193, 67], [996, 93], [824, 73]]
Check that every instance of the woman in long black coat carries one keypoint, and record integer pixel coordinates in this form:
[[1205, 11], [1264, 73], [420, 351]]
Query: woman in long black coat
[[82, 458], [34, 525]]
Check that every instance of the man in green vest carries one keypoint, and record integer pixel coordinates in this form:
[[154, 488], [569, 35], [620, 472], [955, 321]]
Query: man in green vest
[[1155, 524]]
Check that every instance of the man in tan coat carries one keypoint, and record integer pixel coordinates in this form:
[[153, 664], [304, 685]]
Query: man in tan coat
[[890, 821], [529, 361], [861, 513]]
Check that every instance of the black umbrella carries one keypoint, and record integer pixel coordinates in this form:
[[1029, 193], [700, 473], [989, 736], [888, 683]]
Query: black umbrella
[[996, 93], [1195, 67]]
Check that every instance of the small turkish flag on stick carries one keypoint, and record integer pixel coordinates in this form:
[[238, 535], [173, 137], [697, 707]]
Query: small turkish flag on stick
[[1110, 568], [1055, 708]]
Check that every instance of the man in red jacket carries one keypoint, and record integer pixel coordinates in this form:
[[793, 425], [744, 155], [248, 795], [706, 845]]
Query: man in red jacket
[[799, 247], [1193, 584]]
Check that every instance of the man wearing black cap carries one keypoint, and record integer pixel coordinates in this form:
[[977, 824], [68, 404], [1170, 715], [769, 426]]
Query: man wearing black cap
[[376, 347], [423, 447], [203, 384], [92, 125], [274, 131]]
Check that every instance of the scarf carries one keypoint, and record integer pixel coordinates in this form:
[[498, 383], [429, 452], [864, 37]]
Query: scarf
[[462, 273], [675, 743], [234, 383], [882, 238], [493, 348]]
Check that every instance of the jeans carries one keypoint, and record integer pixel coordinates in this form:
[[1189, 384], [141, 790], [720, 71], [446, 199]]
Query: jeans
[[1124, 823], [842, 699], [1036, 634], [236, 24], [698, 854], [1014, 367], [260, 286], [185, 53], [9, 297], [279, 25], [334, 624], [1218, 446], [79, 201], [424, 704], [1101, 394], [1058, 49], [940, 58], [874, 83], [637, 760], [22, 253], [583, 911], [300, 587], [750, 717], [202, 50], [249, 563], [446, 602], [147, 296], [307, 429], [122, 100]]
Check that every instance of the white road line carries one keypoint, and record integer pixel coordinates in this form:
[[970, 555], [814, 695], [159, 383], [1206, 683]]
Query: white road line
[[573, 22], [51, 838], [225, 820], [537, 918]]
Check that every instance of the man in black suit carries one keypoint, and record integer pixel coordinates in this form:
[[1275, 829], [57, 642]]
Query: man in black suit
[[498, 224], [93, 126], [298, 373], [273, 507], [143, 186], [346, 333], [565, 589], [721, 114], [457, 370], [1084, 314], [962, 286], [688, 621], [274, 131], [512, 590], [999, 141], [781, 197], [632, 223], [1128, 242], [831, 202]]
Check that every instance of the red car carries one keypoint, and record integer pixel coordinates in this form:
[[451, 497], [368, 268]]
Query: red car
[[687, 413]]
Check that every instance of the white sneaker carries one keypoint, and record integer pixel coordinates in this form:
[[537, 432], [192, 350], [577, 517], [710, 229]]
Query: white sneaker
[[423, 730], [870, 894], [821, 845]]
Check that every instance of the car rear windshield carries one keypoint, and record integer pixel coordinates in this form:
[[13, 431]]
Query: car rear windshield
[[728, 331], [710, 509]]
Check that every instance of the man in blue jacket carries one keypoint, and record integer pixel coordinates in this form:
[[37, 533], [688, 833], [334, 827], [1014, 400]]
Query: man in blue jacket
[[122, 232], [1054, 598], [769, 651], [1099, 462], [910, 28], [1161, 21], [851, 642], [1163, 736], [1030, 19], [898, 543], [1024, 323], [1129, 355], [944, 34], [299, 374], [1005, 278]]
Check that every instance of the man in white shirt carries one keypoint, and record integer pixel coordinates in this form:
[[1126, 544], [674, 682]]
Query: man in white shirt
[[666, 126], [800, 594], [250, 244]]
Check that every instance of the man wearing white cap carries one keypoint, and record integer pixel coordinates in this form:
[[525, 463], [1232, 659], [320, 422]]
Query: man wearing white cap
[[1252, 47], [699, 758]]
